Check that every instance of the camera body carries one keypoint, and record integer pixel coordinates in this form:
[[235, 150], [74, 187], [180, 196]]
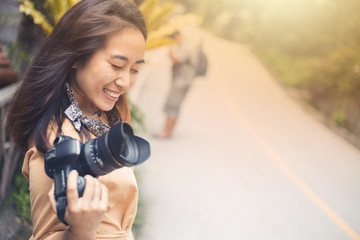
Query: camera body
[[117, 148]]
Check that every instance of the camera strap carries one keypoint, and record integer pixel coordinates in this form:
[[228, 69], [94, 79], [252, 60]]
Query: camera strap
[[61, 204]]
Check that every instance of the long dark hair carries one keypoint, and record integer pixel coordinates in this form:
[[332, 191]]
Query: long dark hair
[[41, 97]]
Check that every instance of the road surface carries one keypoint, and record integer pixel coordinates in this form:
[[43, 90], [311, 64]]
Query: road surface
[[246, 162]]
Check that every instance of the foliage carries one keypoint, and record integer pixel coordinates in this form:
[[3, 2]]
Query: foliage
[[297, 74], [159, 36], [57, 8], [137, 117], [339, 117], [311, 45], [325, 41], [156, 14], [27, 7], [17, 56], [21, 198], [7, 19], [158, 23]]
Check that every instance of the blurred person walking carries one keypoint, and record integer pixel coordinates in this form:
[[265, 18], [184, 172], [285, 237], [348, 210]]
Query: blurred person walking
[[185, 59]]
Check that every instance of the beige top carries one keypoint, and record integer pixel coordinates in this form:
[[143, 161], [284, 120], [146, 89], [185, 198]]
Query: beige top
[[122, 205]]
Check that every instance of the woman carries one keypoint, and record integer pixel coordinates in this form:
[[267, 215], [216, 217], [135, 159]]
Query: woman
[[76, 86]]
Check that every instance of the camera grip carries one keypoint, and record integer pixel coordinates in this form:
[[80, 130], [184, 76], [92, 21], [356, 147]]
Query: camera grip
[[61, 204], [60, 180], [81, 185]]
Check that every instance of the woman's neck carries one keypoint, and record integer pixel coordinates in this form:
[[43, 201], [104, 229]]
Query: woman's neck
[[87, 108]]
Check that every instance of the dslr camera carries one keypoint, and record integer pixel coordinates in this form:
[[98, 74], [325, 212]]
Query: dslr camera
[[117, 148]]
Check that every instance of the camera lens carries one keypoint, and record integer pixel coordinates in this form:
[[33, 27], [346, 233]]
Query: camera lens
[[115, 149], [124, 150]]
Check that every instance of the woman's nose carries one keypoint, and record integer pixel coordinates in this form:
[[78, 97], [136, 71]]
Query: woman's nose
[[123, 81]]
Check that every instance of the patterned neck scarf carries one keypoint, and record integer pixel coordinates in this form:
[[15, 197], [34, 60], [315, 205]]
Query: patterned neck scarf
[[75, 115]]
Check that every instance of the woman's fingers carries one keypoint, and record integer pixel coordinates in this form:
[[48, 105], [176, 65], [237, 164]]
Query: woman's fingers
[[52, 198], [104, 195], [96, 194], [90, 187], [71, 189], [88, 211]]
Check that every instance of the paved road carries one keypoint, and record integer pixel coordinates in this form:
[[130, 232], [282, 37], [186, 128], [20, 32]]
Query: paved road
[[247, 161]]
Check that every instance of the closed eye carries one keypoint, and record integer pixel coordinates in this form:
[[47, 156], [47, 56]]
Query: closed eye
[[115, 66]]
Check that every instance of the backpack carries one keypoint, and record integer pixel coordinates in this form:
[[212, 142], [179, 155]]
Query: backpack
[[202, 64]]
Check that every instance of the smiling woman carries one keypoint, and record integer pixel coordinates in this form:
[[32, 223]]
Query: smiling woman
[[110, 72], [76, 86]]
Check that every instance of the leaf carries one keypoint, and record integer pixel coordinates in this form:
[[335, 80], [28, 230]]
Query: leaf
[[27, 7], [147, 7], [175, 24], [57, 8], [72, 2], [159, 15], [160, 37], [157, 42]]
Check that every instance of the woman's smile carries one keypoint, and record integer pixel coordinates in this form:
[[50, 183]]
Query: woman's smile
[[113, 95]]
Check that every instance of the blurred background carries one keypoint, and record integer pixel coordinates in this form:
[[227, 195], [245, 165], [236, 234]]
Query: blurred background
[[310, 45], [308, 49]]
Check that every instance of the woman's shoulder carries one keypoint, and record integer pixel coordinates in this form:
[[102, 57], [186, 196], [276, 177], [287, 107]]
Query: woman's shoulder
[[67, 129]]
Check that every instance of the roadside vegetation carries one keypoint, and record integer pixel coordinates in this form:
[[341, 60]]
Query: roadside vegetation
[[311, 46]]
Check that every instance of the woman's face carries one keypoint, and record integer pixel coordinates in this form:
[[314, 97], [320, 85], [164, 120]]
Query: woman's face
[[110, 72]]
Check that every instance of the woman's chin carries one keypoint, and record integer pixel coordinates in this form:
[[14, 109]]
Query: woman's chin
[[107, 107]]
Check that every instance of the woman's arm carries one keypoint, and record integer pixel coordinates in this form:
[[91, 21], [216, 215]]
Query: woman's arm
[[82, 213]]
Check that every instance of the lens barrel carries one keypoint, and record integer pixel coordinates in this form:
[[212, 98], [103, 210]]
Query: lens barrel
[[115, 149]]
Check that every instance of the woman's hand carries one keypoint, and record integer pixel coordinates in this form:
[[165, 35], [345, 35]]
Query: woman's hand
[[84, 214]]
